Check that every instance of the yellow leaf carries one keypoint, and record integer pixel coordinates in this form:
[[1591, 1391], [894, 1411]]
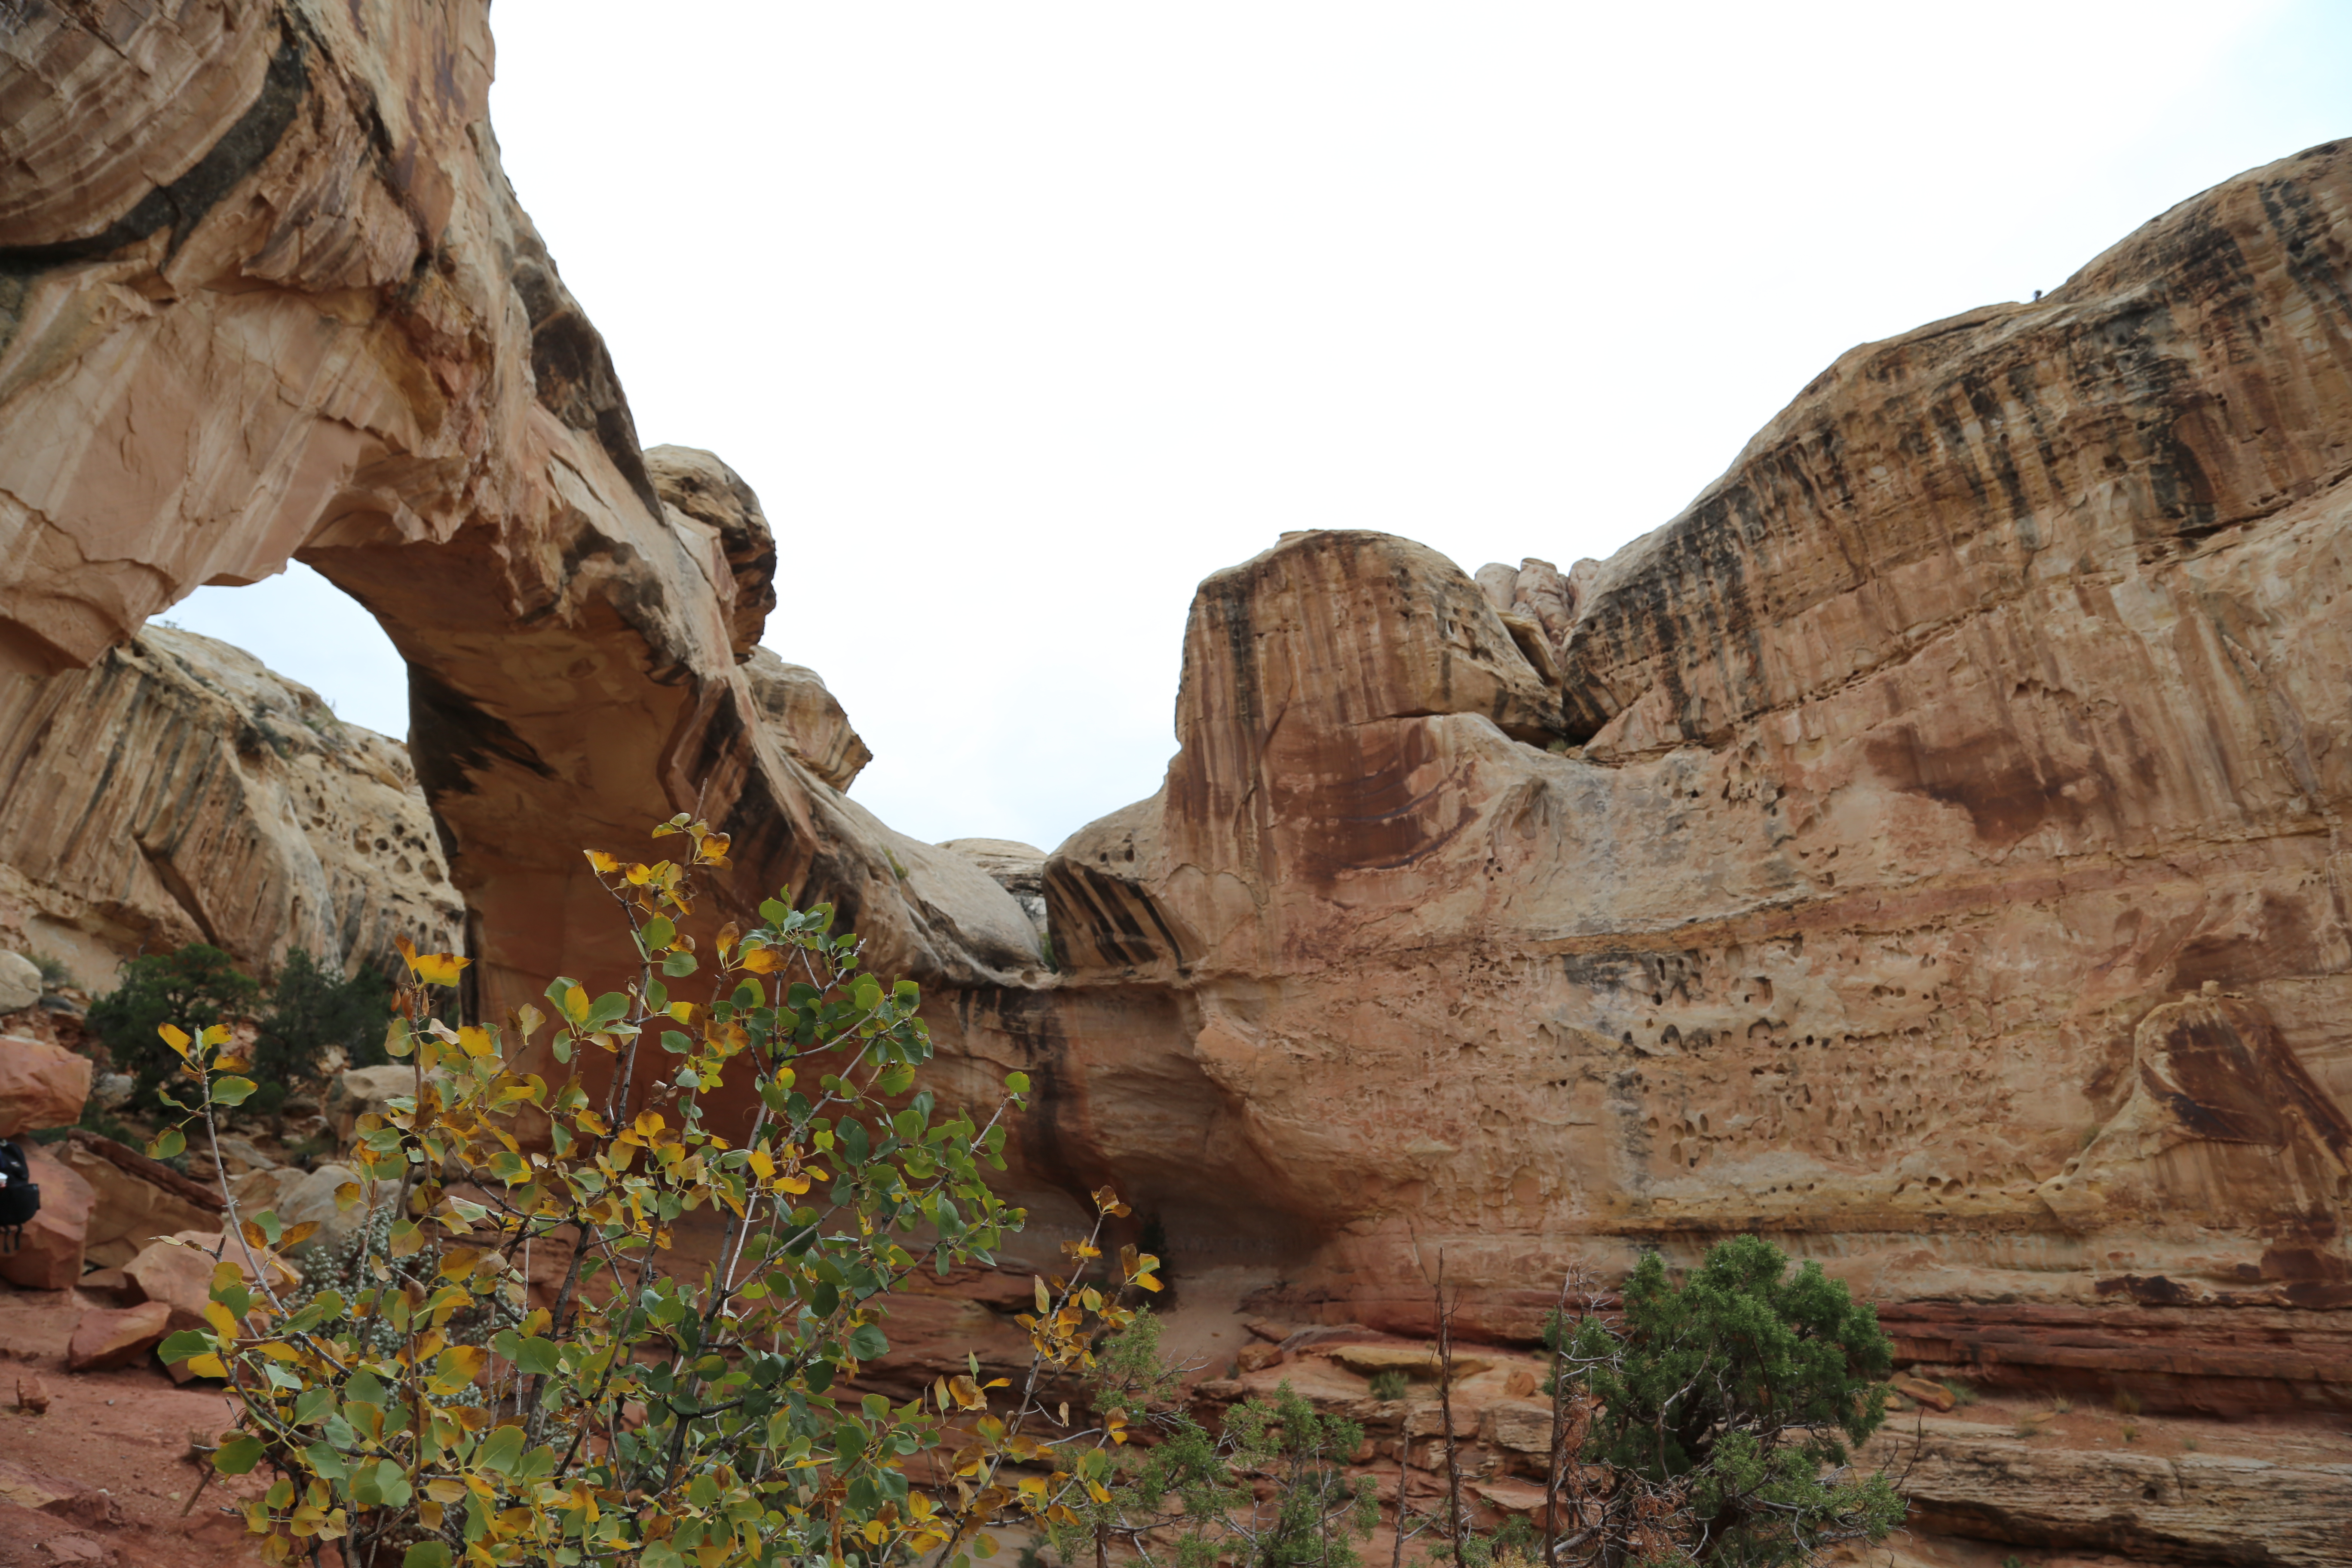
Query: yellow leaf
[[176, 1038], [763, 1164], [605, 865], [223, 1320], [347, 1194], [576, 1004], [437, 968], [205, 1365], [528, 1018], [1045, 1302], [217, 1034]]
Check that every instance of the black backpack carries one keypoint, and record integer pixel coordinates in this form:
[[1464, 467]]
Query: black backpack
[[20, 1195]]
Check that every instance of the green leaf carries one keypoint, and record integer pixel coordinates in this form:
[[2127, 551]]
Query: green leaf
[[232, 1090], [1016, 1083], [675, 1044], [678, 965], [502, 1452], [867, 1342], [426, 1555], [538, 1356], [325, 1462], [239, 1454], [659, 933], [184, 1344], [168, 1143]]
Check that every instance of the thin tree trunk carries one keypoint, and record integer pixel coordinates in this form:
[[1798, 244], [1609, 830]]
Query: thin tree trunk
[[1557, 1455], [1446, 1411]]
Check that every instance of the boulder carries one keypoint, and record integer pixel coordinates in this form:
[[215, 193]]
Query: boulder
[[1934, 1395], [41, 1085], [176, 1272], [50, 1255], [112, 1337], [1522, 1426], [311, 1201], [364, 1091], [268, 1188], [20, 981], [137, 1199]]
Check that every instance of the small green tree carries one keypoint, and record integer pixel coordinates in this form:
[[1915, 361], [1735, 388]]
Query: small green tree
[[196, 988], [1722, 1409], [1313, 1515], [665, 1404], [313, 1009]]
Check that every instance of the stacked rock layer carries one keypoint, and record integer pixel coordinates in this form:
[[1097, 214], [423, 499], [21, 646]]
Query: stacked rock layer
[[1925, 849]]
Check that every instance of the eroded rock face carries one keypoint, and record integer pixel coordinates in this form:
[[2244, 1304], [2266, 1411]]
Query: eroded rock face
[[294, 310], [1988, 705], [805, 719], [178, 791], [1846, 860]]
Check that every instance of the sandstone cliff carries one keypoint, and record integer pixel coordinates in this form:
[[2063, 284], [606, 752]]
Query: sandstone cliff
[[264, 292], [177, 791], [1847, 859], [1896, 794]]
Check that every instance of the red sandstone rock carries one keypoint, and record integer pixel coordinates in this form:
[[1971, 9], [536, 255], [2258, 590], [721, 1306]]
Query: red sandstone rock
[[41, 1085], [176, 1273], [1990, 704], [49, 1254], [118, 1336]]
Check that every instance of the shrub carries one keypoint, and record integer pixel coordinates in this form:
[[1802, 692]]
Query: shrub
[[1390, 1385], [660, 1409], [313, 1010], [196, 988], [1723, 1409], [1311, 1514]]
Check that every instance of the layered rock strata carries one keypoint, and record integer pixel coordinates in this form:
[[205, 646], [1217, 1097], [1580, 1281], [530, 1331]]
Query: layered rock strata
[[265, 293], [1848, 859], [178, 791], [1927, 854]]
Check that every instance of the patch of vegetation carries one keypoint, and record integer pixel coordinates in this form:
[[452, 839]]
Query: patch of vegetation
[[313, 1010], [1963, 1394], [197, 988], [1733, 1398], [661, 1409], [1390, 1385], [310, 1013]]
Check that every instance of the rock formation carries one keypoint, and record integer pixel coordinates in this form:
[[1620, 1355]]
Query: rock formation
[[1895, 796], [1848, 859], [177, 791], [264, 292]]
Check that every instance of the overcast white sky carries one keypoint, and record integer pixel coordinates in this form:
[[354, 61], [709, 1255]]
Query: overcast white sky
[[1023, 318]]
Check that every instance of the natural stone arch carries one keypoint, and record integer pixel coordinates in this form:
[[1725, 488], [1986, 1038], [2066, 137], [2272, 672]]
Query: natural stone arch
[[283, 304]]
